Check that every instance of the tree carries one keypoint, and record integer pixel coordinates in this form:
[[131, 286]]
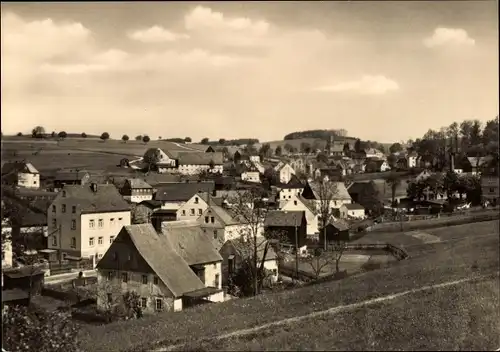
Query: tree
[[395, 148], [265, 150], [322, 158], [490, 132], [394, 181], [132, 302], [26, 329], [138, 138], [146, 139], [151, 158], [305, 148], [326, 192], [62, 134], [222, 141], [278, 151], [105, 136], [53, 134], [204, 140], [187, 140], [392, 160], [159, 138], [288, 147], [84, 135], [125, 138], [38, 132], [357, 146], [19, 134], [450, 183]]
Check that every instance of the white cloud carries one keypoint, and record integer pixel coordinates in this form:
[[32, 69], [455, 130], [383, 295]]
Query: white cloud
[[449, 36], [156, 34], [370, 85]]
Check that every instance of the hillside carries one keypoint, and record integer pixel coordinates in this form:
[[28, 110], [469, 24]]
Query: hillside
[[463, 316], [295, 143]]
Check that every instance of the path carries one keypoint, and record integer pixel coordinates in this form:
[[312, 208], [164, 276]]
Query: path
[[330, 311]]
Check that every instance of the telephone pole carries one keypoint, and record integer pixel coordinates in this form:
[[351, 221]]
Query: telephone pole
[[296, 251]]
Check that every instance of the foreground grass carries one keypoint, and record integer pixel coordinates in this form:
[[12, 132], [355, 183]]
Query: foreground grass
[[460, 317], [452, 261]]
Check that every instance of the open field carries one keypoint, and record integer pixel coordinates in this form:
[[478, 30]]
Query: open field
[[295, 142], [455, 260]]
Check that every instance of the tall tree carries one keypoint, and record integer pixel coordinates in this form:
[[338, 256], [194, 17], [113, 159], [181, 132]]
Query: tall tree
[[358, 146], [278, 151], [38, 132], [62, 134], [394, 181], [327, 192], [105, 136], [475, 133], [204, 140], [465, 134], [125, 138], [395, 148], [265, 150], [146, 139], [187, 140], [222, 141]]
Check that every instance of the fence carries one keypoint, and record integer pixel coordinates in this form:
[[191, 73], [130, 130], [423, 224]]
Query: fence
[[69, 266]]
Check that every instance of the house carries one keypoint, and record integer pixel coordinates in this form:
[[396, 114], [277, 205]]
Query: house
[[31, 194], [27, 278], [233, 252], [377, 166], [170, 269], [84, 220], [424, 175], [412, 159], [196, 205], [233, 197], [374, 153], [330, 173], [335, 230], [286, 191], [297, 203], [20, 174], [193, 163], [336, 148], [70, 177], [292, 225], [285, 172], [136, 190], [336, 192], [490, 189], [250, 174], [163, 161], [222, 225], [352, 211], [174, 195], [477, 164], [298, 164]]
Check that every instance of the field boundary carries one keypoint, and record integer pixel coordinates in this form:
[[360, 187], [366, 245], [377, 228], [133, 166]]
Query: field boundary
[[330, 311]]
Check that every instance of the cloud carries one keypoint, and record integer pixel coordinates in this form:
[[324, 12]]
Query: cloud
[[156, 34], [449, 36], [370, 85]]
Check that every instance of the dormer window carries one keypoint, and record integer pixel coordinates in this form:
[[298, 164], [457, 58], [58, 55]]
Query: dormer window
[[64, 193], [196, 200]]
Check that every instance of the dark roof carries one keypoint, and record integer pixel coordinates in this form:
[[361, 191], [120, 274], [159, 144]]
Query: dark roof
[[24, 271], [161, 256], [339, 225], [106, 199], [245, 249], [284, 218], [358, 187], [70, 175], [23, 167], [341, 190], [354, 206], [14, 295], [152, 204], [188, 239], [294, 183], [156, 179], [200, 158], [136, 183], [29, 192], [182, 191]]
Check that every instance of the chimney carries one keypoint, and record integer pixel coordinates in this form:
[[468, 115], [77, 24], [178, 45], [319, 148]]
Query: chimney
[[93, 187], [214, 193]]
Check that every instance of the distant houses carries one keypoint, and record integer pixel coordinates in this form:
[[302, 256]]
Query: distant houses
[[185, 163], [20, 174]]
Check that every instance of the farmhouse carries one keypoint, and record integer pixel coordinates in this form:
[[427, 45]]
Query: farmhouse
[[174, 195], [377, 166], [285, 172], [195, 163], [163, 161], [335, 191], [250, 174], [136, 190], [297, 203], [170, 269], [84, 220], [70, 177], [196, 205], [291, 224], [286, 191], [20, 174], [353, 211]]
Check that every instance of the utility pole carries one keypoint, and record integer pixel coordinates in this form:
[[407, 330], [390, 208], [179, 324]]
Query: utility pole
[[296, 251]]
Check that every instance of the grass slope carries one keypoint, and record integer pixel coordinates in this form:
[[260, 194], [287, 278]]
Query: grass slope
[[451, 261], [295, 142]]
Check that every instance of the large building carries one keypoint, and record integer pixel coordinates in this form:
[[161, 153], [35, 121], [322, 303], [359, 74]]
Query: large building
[[84, 220]]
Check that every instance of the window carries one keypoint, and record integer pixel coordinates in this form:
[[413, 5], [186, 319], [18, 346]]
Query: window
[[145, 279], [206, 219], [196, 200], [111, 239], [64, 193], [200, 211], [91, 224], [110, 298], [91, 241], [158, 304], [99, 240], [73, 242], [120, 219], [124, 277], [73, 209], [183, 213], [54, 240], [63, 208], [101, 223], [492, 190], [275, 272], [216, 281], [155, 280], [73, 224], [144, 302], [53, 208], [212, 219], [54, 222], [215, 234], [192, 211], [112, 221], [294, 202], [110, 275], [99, 256]]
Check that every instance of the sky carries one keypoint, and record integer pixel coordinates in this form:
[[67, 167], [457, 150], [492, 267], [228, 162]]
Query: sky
[[384, 71]]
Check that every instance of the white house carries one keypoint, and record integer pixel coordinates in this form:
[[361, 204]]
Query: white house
[[251, 174], [7, 245], [164, 161], [335, 191], [412, 159], [285, 172], [374, 153], [193, 163], [136, 190], [83, 220], [297, 203], [196, 206], [174, 268], [20, 174], [173, 195], [354, 211]]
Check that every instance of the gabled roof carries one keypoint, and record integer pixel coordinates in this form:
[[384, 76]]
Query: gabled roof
[[105, 199], [479, 161], [341, 190], [188, 239], [20, 167], [70, 175], [224, 216], [230, 194], [209, 198], [182, 191], [245, 249], [339, 225], [354, 206], [200, 158], [284, 218], [137, 183], [158, 154], [162, 257]]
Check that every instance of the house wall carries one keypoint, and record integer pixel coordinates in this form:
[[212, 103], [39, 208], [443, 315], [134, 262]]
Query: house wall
[[139, 195], [288, 193], [28, 180], [172, 205], [334, 204], [232, 232], [355, 213], [196, 204], [150, 291], [6, 251], [412, 161], [286, 173], [384, 167], [213, 275], [272, 266], [490, 188], [251, 176], [83, 232], [196, 169], [311, 218]]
